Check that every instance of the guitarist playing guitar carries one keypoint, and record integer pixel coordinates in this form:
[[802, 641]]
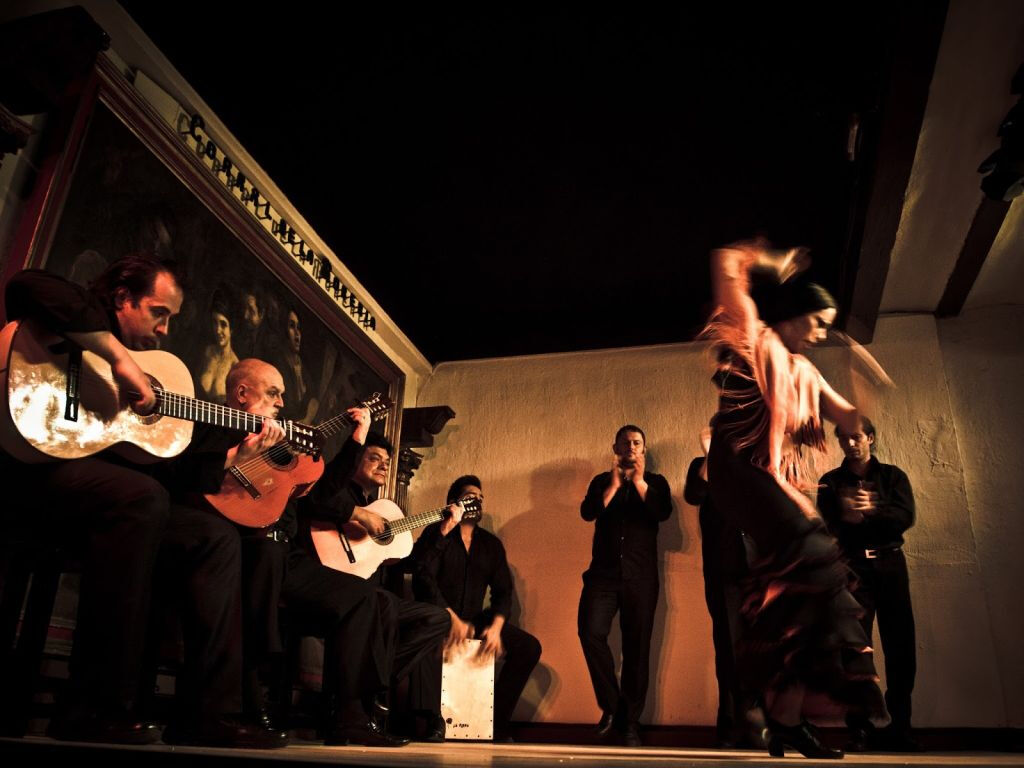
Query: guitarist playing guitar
[[344, 494], [341, 608], [118, 519]]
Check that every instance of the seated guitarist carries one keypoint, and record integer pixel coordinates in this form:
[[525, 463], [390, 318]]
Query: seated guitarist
[[456, 562], [339, 607], [350, 483], [118, 519]]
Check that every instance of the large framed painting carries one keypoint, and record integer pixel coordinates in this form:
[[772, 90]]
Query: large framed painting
[[126, 183]]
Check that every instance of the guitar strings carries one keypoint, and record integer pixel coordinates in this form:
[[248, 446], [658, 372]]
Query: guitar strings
[[404, 524], [258, 466], [253, 467], [208, 410]]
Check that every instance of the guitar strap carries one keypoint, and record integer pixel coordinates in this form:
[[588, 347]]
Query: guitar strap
[[347, 546], [72, 378]]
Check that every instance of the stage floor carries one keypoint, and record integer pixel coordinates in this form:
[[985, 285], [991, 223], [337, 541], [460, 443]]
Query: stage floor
[[35, 750]]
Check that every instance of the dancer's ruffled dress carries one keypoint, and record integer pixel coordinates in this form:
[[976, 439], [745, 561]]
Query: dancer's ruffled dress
[[803, 622]]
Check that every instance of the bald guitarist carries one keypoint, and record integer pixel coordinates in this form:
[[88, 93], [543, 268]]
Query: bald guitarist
[[118, 519], [340, 608]]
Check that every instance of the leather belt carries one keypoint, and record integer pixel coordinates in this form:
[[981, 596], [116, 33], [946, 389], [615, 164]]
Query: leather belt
[[874, 554]]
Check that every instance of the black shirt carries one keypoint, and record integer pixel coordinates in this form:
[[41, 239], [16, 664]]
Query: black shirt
[[895, 507], [334, 496], [626, 532], [445, 574], [59, 305], [696, 489]]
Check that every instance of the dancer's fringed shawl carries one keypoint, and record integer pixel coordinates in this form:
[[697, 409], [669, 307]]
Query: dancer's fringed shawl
[[777, 418]]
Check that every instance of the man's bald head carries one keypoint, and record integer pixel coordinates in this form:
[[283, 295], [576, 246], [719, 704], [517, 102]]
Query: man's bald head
[[255, 386]]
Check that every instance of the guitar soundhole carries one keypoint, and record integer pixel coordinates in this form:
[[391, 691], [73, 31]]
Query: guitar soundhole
[[154, 417], [385, 538], [279, 455]]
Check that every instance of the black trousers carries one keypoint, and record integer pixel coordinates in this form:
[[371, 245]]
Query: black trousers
[[522, 652], [635, 600], [114, 517], [883, 589], [323, 602], [199, 571], [724, 564], [414, 632]]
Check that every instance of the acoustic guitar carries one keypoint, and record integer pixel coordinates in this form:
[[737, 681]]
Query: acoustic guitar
[[355, 551], [63, 403], [255, 492]]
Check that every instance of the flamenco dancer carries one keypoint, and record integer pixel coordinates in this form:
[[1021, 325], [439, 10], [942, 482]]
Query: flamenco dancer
[[803, 630]]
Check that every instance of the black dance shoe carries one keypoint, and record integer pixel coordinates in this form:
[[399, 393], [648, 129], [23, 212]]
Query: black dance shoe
[[605, 724], [800, 737]]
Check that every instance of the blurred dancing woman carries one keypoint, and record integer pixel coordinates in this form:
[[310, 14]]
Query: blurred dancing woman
[[803, 630]]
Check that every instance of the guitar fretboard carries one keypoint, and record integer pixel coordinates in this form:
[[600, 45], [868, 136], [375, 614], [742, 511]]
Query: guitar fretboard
[[412, 523], [190, 409]]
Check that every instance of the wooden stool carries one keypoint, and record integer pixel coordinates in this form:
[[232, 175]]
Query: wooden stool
[[467, 693]]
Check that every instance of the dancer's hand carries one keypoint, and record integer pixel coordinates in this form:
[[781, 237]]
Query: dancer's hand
[[785, 263]]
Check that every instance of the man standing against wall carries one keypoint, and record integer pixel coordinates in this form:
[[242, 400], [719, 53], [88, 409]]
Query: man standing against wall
[[869, 505], [627, 504]]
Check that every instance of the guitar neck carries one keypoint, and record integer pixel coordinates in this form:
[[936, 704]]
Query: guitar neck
[[188, 408], [417, 521], [333, 425]]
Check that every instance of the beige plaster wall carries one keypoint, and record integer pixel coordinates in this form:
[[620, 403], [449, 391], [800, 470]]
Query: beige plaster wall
[[538, 428], [984, 363]]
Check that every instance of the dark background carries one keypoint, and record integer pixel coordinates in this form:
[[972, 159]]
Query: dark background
[[506, 181]]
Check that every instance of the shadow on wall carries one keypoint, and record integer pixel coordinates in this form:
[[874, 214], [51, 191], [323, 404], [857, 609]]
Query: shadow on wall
[[548, 551], [670, 539]]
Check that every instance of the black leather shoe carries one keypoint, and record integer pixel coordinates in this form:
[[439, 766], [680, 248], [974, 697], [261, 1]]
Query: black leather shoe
[[105, 731], [801, 737], [435, 730], [264, 719], [368, 734], [605, 724], [631, 736], [857, 740], [227, 733]]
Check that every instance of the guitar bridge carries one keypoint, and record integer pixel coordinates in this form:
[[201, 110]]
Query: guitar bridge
[[244, 481]]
